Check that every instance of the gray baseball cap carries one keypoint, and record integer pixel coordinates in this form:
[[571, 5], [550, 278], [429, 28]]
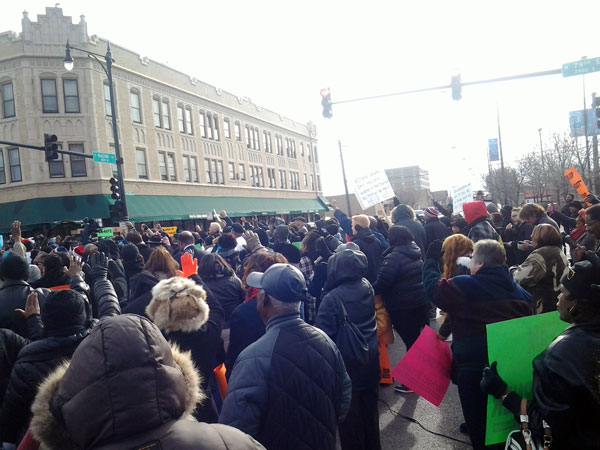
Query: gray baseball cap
[[281, 281]]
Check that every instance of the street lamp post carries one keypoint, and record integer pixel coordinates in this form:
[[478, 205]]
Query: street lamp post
[[543, 169], [68, 63]]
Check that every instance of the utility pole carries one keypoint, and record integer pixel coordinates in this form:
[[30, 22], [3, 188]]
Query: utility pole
[[345, 182], [596, 173], [543, 170], [501, 157]]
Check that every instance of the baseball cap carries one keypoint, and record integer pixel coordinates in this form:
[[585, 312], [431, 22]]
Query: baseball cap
[[281, 281]]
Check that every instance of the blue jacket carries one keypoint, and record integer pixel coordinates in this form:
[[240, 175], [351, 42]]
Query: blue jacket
[[290, 388]]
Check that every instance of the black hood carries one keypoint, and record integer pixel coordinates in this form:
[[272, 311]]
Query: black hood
[[411, 251], [346, 265]]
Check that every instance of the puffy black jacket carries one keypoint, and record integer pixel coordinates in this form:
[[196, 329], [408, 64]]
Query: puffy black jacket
[[10, 345], [371, 247], [565, 389], [434, 230], [13, 295], [345, 272], [399, 280], [140, 288], [125, 388], [403, 216], [37, 359], [228, 291]]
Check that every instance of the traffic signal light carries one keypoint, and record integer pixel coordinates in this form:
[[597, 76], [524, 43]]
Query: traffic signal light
[[596, 106], [114, 188], [326, 103], [50, 146], [456, 86]]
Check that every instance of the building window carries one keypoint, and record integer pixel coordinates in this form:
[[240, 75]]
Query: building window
[[78, 167], [166, 114], [293, 148], [186, 169], [15, 165], [316, 154], [162, 166], [207, 170], [231, 171], [247, 128], [319, 183], [57, 166], [2, 171], [180, 119], [171, 161], [305, 180], [312, 182], [194, 168], [188, 121], [49, 100], [215, 124], [227, 128], [242, 171], [202, 124], [136, 112], [8, 100], [220, 174], [71, 96], [301, 148], [214, 171], [294, 181], [279, 143], [267, 142], [156, 112], [271, 177], [252, 137], [261, 178], [309, 153], [107, 108], [140, 160], [256, 176], [238, 131], [282, 179]]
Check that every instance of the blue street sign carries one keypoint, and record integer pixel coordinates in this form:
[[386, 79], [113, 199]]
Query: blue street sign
[[109, 158], [493, 149], [576, 123]]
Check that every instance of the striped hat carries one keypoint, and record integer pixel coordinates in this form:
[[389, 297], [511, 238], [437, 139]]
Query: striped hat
[[431, 211]]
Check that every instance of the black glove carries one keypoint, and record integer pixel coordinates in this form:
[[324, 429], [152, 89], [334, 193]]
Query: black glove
[[435, 250], [99, 263], [491, 383]]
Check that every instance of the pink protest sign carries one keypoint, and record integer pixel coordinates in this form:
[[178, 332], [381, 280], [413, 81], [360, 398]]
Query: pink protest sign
[[426, 367]]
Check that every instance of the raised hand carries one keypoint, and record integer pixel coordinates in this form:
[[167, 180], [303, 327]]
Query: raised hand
[[189, 266], [32, 306]]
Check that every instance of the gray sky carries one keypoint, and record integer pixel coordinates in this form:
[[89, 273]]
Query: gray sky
[[281, 53]]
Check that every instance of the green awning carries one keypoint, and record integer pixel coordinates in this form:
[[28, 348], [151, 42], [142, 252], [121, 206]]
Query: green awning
[[148, 208], [164, 207], [52, 209]]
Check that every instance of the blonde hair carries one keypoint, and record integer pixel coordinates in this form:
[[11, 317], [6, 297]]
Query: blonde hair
[[455, 246]]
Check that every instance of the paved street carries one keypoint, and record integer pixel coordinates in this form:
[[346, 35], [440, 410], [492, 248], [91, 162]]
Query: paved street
[[398, 433]]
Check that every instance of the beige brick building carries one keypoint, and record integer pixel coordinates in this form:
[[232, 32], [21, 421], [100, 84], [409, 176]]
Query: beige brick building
[[188, 147]]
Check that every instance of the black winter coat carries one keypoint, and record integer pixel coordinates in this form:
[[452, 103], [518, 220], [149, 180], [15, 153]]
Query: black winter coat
[[434, 230], [228, 291], [345, 271], [10, 345], [399, 280], [13, 295], [140, 287], [371, 247], [38, 359]]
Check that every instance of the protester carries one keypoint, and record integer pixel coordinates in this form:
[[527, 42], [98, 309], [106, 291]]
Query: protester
[[281, 244], [126, 388], [191, 318], [10, 345], [517, 237], [226, 247], [368, 244], [580, 237], [306, 265], [283, 400], [187, 245], [434, 229], [404, 215], [349, 292], [63, 323], [543, 269], [566, 374], [479, 227], [54, 273], [488, 295], [534, 214]]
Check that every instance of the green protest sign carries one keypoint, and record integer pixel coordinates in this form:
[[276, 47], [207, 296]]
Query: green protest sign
[[514, 344], [105, 232]]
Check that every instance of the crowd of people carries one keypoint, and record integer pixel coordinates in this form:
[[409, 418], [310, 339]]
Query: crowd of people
[[254, 334]]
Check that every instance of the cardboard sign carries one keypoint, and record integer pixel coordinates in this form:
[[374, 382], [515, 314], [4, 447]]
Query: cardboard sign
[[372, 188], [106, 232], [577, 182], [461, 195], [170, 230], [425, 368], [530, 336]]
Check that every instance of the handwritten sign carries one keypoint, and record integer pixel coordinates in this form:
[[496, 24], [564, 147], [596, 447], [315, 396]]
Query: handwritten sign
[[372, 188], [461, 195], [106, 232], [577, 182], [170, 230], [426, 367], [531, 336]]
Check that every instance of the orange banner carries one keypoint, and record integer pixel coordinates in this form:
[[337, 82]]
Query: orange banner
[[577, 182], [385, 367]]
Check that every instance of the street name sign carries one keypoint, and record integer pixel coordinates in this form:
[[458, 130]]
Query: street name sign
[[109, 158], [581, 67]]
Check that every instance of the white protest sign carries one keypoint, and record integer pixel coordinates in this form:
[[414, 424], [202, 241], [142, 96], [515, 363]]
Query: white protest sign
[[461, 195], [372, 188]]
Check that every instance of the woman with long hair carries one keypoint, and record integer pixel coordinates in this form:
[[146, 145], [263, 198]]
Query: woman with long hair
[[457, 253]]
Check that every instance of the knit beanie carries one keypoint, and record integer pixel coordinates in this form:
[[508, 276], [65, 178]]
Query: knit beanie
[[431, 211], [64, 310]]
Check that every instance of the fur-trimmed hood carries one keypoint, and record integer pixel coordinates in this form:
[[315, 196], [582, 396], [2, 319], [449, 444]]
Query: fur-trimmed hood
[[124, 379], [178, 304]]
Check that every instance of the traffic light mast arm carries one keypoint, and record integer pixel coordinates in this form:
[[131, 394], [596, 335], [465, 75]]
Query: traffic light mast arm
[[36, 147], [448, 86]]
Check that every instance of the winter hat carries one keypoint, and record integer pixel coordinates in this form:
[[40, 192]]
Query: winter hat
[[34, 273], [79, 250], [238, 228], [576, 204], [178, 304], [402, 212], [281, 233], [64, 310], [130, 252], [582, 281], [14, 267], [431, 211], [474, 210]]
